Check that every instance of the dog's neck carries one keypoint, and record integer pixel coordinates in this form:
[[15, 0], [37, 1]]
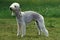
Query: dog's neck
[[18, 14]]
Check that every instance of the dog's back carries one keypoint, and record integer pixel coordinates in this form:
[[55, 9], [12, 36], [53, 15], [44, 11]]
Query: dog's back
[[30, 15]]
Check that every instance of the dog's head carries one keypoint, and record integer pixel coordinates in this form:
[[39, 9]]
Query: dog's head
[[14, 7]]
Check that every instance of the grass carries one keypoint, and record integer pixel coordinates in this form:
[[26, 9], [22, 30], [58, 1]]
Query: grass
[[48, 8], [8, 29]]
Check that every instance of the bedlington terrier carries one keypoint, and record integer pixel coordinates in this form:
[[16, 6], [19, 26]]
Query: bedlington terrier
[[25, 17]]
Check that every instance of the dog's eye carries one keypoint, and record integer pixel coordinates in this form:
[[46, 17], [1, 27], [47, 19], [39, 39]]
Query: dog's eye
[[15, 6]]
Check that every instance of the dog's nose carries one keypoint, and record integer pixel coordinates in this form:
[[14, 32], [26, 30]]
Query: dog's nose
[[11, 9]]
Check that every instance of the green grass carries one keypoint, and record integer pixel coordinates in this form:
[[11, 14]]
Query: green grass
[[48, 8], [8, 29]]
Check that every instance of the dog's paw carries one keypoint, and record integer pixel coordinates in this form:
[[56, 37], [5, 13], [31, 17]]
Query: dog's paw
[[17, 34], [39, 33], [22, 35]]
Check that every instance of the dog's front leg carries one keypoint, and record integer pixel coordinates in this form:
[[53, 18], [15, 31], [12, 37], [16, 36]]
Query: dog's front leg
[[23, 29], [18, 29]]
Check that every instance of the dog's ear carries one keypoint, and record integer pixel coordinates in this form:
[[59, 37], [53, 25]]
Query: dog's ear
[[13, 13]]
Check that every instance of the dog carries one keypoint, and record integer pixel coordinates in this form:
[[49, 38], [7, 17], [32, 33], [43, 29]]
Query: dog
[[25, 17]]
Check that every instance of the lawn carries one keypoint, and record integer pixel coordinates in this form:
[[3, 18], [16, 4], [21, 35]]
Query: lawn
[[50, 9], [8, 29]]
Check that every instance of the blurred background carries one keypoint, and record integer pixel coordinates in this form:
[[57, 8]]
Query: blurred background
[[48, 8]]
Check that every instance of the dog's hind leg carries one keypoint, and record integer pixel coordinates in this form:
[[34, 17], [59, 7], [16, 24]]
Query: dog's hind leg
[[36, 23], [41, 26]]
